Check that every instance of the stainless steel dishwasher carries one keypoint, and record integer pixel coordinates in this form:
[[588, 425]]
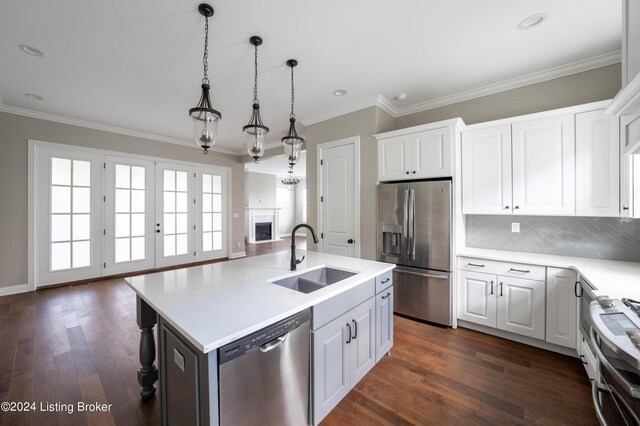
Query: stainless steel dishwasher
[[264, 377]]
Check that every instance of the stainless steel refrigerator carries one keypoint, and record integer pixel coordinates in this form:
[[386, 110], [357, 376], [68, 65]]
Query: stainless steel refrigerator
[[414, 232]]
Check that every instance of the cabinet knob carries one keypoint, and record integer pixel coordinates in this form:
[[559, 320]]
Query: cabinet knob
[[350, 241], [157, 231], [516, 207], [506, 207], [407, 172], [414, 172]]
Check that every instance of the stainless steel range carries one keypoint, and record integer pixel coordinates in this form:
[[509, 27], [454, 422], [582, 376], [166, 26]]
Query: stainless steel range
[[615, 340]]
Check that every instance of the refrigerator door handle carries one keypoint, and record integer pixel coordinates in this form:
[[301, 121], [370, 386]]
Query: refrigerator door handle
[[417, 274], [405, 230], [412, 220]]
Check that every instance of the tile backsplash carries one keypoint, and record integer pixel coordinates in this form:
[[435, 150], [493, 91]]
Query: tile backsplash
[[597, 237]]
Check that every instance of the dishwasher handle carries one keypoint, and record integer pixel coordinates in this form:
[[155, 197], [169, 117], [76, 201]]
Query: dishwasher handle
[[274, 343]]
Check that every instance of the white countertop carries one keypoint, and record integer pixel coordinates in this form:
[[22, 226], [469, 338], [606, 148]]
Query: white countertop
[[215, 304], [610, 277]]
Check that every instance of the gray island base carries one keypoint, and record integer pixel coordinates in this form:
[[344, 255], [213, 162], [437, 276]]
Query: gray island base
[[205, 314]]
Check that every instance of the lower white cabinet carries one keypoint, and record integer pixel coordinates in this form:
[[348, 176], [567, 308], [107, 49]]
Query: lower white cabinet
[[562, 307], [343, 352], [384, 322], [512, 304]]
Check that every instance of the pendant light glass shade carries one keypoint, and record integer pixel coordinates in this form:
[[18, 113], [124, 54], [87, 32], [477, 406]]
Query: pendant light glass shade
[[292, 143], [255, 132], [205, 118]]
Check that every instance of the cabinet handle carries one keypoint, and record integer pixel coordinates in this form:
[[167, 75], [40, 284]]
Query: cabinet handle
[[349, 338], [386, 280], [625, 208], [516, 207], [524, 271], [386, 295], [355, 329], [577, 286], [501, 285], [584, 360], [491, 287], [476, 264]]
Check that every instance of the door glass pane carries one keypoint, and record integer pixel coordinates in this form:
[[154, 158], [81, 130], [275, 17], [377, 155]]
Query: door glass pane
[[81, 200], [137, 248], [206, 222], [122, 201], [137, 225], [217, 202], [122, 250], [81, 227], [181, 244], [60, 256], [207, 244], [206, 183], [181, 202], [169, 180], [216, 187], [169, 245], [137, 178], [169, 201], [175, 198], [181, 223], [217, 240], [60, 227], [81, 173], [122, 225], [122, 176], [181, 181], [60, 199], [70, 244], [169, 223], [137, 201], [60, 171], [216, 221]]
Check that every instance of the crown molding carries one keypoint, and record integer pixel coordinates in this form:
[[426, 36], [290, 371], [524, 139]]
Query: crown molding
[[377, 100], [514, 83], [104, 127]]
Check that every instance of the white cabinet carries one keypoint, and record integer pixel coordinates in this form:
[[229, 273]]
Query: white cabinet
[[629, 178], [543, 159], [343, 352], [476, 298], [512, 304], [520, 306], [419, 152], [384, 322], [486, 171], [597, 164], [562, 307], [394, 158]]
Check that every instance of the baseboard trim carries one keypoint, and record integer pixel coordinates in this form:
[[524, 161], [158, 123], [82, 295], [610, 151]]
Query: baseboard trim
[[14, 289], [518, 338], [237, 255]]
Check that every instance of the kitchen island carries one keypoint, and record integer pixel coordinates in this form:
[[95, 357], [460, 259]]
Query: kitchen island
[[200, 309]]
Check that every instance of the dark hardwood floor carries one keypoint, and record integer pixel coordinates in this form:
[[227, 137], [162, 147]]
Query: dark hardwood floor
[[275, 246], [80, 343]]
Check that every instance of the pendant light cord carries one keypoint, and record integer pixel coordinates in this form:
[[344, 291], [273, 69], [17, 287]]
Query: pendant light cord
[[205, 57], [255, 77], [292, 115]]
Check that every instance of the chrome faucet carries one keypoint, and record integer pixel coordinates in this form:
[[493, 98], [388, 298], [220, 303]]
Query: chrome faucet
[[295, 261]]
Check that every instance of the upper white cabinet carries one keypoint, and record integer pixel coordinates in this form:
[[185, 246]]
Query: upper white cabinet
[[543, 166], [418, 152], [597, 164], [486, 170], [556, 163], [630, 40]]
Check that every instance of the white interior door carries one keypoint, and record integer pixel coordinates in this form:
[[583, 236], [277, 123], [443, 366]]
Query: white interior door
[[175, 211], [68, 209], [129, 201], [340, 198]]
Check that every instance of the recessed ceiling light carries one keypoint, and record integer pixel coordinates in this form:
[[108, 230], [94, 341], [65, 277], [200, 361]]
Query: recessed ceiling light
[[30, 50], [532, 21], [34, 97], [340, 92], [400, 97]]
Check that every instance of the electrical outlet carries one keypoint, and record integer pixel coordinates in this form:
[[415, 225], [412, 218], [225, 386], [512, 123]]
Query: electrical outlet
[[515, 227], [235, 215]]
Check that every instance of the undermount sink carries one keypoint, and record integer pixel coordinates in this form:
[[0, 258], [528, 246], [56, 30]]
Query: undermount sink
[[315, 279]]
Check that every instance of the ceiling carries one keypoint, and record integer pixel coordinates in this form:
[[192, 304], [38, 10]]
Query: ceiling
[[135, 66], [278, 166]]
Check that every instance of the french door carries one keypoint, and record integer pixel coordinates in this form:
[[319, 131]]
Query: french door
[[97, 214], [68, 214], [175, 211], [129, 220]]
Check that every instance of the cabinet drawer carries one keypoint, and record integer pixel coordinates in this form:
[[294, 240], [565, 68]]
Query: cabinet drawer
[[383, 281], [507, 269]]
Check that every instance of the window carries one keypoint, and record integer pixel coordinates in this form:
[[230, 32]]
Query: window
[[130, 214]]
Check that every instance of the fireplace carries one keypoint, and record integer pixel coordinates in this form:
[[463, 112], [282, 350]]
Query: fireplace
[[263, 231]]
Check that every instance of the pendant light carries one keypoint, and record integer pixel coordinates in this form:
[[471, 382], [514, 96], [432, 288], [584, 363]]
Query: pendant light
[[205, 118], [290, 180], [292, 142], [256, 132]]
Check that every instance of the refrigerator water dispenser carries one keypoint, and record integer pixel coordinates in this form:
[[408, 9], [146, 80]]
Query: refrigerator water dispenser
[[391, 239]]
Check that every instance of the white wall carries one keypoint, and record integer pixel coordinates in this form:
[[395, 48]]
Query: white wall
[[259, 190], [286, 202]]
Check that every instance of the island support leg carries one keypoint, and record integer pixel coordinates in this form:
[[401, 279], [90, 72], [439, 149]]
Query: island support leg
[[148, 372]]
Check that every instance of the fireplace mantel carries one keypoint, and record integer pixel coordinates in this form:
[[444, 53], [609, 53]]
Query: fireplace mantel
[[261, 215]]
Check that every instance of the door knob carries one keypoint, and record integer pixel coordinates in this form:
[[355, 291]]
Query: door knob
[[157, 231], [350, 241]]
